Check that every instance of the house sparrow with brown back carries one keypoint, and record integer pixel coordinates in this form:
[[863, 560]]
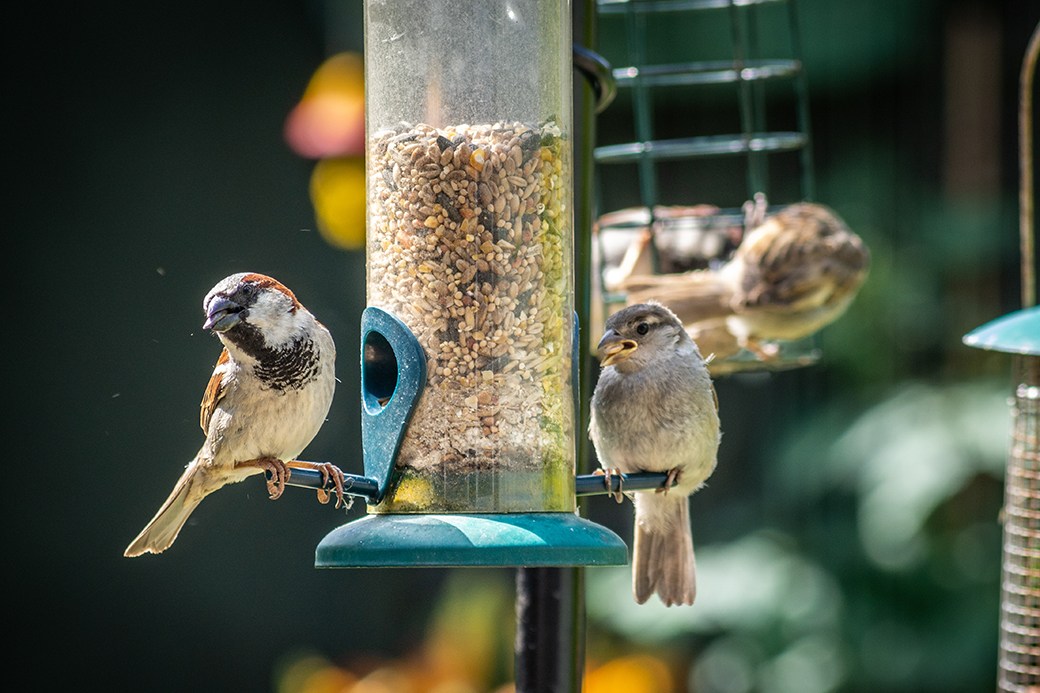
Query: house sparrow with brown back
[[654, 409], [794, 273], [269, 394]]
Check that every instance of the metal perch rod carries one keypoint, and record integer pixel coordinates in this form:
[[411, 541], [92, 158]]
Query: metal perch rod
[[595, 484], [584, 484]]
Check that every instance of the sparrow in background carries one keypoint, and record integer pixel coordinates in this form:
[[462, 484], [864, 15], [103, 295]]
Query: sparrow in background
[[654, 409], [269, 394], [795, 272]]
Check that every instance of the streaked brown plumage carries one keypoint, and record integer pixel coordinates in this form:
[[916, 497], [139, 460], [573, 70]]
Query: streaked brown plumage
[[269, 394], [795, 272]]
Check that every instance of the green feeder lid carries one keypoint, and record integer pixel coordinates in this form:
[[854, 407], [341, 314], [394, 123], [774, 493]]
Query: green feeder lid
[[464, 539], [1014, 333]]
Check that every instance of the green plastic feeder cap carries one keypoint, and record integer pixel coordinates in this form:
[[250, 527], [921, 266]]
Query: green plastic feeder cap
[[1015, 333]]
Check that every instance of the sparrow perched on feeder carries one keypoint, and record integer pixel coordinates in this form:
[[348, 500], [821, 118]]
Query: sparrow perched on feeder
[[795, 272], [269, 394], [654, 409]]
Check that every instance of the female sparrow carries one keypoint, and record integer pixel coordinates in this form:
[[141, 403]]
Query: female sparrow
[[794, 273], [654, 409], [269, 394]]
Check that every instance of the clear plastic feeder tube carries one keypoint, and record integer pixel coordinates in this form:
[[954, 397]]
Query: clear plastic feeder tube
[[469, 243]]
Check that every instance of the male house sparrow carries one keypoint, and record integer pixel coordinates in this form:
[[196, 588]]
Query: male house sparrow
[[795, 272], [269, 394], [654, 409]]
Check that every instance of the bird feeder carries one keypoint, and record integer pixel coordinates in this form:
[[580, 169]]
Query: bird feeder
[[468, 343], [1018, 333]]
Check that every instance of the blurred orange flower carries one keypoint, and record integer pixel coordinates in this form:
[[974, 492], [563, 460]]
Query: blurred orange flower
[[631, 674]]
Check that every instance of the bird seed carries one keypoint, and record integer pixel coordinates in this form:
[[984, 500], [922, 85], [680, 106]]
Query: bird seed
[[469, 234]]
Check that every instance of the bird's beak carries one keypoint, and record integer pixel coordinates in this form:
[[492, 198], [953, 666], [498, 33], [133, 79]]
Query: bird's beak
[[222, 314], [613, 349]]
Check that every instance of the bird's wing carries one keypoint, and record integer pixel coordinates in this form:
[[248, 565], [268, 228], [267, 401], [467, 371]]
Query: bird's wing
[[693, 296], [215, 391], [800, 261], [714, 340]]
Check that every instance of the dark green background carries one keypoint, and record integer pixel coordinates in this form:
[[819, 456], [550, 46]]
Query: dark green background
[[145, 161]]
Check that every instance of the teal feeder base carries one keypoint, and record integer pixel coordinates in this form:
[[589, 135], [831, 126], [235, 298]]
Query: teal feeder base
[[462, 539]]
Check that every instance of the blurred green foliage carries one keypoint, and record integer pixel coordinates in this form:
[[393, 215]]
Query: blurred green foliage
[[850, 539]]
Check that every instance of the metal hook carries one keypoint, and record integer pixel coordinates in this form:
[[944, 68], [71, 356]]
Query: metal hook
[[597, 71]]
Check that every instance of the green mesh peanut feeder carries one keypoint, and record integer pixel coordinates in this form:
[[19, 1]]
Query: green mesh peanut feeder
[[468, 345]]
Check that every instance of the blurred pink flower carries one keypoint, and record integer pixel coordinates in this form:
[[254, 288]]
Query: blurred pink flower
[[329, 120]]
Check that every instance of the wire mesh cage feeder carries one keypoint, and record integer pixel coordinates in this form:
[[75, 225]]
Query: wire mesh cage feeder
[[1018, 666], [663, 238], [469, 339]]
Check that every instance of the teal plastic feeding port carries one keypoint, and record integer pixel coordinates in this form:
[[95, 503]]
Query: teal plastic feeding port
[[1014, 333], [393, 377]]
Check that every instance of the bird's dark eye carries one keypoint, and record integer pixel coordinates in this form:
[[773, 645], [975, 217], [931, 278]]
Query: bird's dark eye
[[643, 328]]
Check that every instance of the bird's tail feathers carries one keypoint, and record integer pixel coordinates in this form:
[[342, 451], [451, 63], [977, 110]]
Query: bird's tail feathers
[[160, 533], [663, 561]]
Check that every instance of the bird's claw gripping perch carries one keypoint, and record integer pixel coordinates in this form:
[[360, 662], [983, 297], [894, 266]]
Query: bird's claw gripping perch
[[669, 481], [608, 475], [331, 472], [277, 474], [280, 473]]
